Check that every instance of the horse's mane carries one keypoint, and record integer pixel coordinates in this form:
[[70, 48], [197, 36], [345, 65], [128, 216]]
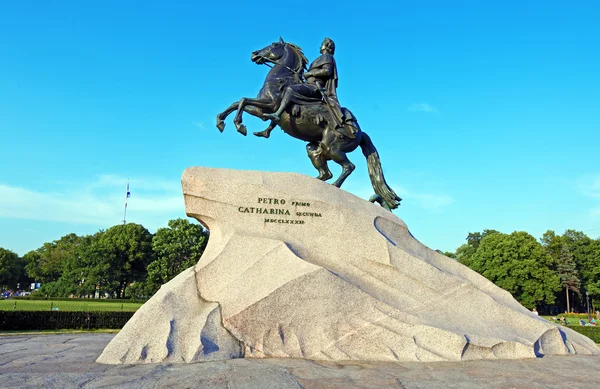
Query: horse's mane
[[303, 59]]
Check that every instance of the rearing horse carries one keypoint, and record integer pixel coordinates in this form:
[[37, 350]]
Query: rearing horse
[[312, 123]]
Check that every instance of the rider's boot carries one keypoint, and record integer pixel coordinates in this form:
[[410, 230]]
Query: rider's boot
[[276, 116]]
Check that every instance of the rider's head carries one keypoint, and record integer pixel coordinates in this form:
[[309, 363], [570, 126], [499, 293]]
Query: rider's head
[[327, 46]]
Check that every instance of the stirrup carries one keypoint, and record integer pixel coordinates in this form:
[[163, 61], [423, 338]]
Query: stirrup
[[272, 116]]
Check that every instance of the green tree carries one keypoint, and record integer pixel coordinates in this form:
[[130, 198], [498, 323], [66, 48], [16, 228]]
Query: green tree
[[107, 262], [50, 265], [176, 247], [10, 269], [592, 285], [567, 271], [552, 243], [518, 264], [449, 254], [121, 254], [474, 238], [47, 263], [465, 252], [586, 254], [31, 262], [83, 271]]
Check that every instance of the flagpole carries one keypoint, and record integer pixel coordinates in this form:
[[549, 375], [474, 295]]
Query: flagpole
[[127, 194]]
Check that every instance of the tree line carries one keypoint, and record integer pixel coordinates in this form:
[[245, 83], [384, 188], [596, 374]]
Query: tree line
[[126, 261], [121, 262], [558, 271]]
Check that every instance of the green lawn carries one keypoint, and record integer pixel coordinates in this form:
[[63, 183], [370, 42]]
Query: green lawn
[[572, 319], [74, 305]]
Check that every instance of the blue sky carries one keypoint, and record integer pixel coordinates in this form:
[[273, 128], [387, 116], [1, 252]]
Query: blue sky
[[485, 115]]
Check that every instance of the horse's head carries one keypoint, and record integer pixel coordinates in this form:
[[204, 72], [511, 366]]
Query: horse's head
[[272, 53], [282, 53]]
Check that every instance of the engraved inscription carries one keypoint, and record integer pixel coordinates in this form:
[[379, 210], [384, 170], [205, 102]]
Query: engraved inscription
[[310, 214], [284, 221], [300, 204], [266, 200], [279, 207], [270, 211]]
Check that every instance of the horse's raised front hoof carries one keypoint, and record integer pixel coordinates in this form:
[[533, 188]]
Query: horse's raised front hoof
[[241, 128], [263, 134], [220, 125]]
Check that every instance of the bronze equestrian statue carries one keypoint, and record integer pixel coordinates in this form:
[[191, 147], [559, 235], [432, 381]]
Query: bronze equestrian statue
[[321, 82], [305, 106]]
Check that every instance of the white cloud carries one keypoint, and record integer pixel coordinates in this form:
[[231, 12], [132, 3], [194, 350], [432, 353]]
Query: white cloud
[[100, 202], [426, 201], [422, 107], [429, 201], [589, 186], [199, 125], [145, 183]]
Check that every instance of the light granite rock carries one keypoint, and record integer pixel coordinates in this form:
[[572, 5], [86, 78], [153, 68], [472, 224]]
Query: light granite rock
[[297, 268], [175, 325]]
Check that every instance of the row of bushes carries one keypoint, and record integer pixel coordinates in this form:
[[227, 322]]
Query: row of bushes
[[590, 331], [36, 296], [53, 320]]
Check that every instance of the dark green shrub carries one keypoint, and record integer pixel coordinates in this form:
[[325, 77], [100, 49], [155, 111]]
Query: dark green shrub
[[52, 320], [590, 331], [42, 297]]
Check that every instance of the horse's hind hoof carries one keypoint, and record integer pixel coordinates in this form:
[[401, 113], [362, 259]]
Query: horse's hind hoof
[[263, 134], [220, 125], [242, 129]]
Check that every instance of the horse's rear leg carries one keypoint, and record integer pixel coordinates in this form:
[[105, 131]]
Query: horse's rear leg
[[315, 153], [347, 167], [266, 133]]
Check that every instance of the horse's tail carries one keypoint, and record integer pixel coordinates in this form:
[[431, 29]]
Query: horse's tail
[[388, 196]]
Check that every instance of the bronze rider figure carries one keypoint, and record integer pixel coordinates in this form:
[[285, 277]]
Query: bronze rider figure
[[321, 82]]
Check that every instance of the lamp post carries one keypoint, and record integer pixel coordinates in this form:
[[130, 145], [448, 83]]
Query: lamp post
[[587, 298]]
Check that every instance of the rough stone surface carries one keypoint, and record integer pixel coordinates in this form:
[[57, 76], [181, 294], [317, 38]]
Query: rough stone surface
[[296, 268], [67, 361], [176, 325]]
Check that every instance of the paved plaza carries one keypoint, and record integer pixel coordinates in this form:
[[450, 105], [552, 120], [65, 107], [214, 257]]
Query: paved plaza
[[67, 361]]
